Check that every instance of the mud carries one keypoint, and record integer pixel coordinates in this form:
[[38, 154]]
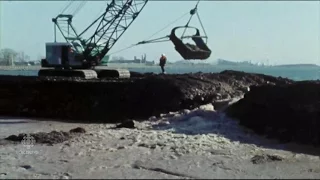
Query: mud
[[114, 100], [289, 113]]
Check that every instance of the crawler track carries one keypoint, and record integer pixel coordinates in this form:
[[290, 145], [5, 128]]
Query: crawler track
[[85, 74]]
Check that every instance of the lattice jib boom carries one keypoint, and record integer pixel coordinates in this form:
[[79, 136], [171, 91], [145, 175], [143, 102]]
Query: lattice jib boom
[[110, 26]]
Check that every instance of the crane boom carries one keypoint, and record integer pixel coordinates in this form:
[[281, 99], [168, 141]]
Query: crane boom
[[110, 26], [78, 56]]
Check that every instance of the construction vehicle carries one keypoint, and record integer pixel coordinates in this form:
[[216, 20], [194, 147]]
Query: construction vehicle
[[80, 57]]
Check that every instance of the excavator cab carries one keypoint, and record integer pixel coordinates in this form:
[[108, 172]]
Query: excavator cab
[[199, 51]]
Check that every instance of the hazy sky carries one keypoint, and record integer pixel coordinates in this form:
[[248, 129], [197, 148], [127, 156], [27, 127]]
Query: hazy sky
[[282, 32]]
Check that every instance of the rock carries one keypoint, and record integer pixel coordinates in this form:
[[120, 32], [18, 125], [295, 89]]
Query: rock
[[26, 166], [78, 130], [226, 96], [127, 124], [260, 159], [244, 89], [207, 107], [164, 123], [221, 104], [53, 137], [218, 96], [186, 111], [13, 138], [121, 147], [288, 112], [153, 118]]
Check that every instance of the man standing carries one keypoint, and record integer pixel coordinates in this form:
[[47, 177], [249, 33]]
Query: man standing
[[163, 60]]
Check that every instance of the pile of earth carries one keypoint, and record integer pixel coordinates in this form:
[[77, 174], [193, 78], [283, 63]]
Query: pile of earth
[[50, 138], [289, 112], [113, 100]]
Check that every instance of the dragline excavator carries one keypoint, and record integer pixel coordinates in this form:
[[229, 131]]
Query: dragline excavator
[[80, 57]]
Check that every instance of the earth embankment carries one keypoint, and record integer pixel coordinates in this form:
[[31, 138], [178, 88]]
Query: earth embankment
[[107, 100], [288, 112]]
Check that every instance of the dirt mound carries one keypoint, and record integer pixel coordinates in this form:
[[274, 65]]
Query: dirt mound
[[52, 137], [287, 112], [113, 100]]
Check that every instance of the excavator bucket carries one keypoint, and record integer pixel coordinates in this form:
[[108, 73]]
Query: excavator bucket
[[200, 51]]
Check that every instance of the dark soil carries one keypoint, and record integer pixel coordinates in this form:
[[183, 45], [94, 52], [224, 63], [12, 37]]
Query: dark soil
[[50, 138], [290, 113], [114, 100]]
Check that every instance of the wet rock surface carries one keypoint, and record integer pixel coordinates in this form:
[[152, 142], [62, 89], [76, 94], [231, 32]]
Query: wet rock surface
[[50, 138], [114, 100], [290, 113]]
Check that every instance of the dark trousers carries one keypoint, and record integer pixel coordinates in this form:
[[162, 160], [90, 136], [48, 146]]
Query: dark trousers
[[162, 68]]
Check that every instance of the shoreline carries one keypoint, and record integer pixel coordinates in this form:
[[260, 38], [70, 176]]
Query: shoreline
[[136, 65], [277, 107], [19, 68], [298, 74], [187, 131]]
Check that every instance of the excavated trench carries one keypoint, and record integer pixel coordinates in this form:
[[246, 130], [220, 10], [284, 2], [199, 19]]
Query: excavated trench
[[112, 100]]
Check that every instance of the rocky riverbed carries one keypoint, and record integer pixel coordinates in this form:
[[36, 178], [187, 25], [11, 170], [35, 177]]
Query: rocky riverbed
[[107, 100]]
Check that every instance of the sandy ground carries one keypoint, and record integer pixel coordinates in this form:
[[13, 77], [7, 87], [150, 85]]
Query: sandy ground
[[193, 144]]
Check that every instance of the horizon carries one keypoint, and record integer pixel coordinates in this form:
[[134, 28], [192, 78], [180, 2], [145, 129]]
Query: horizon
[[212, 62], [281, 32]]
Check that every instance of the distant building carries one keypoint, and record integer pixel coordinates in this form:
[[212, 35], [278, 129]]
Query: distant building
[[135, 60], [150, 63]]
